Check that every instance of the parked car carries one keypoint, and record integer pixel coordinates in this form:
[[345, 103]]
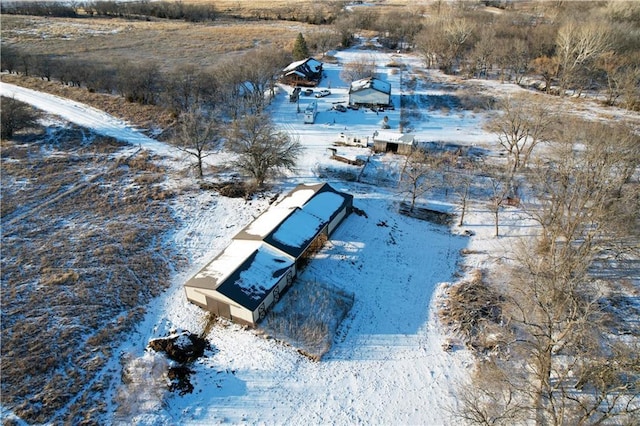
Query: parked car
[[322, 93], [308, 92], [340, 108], [293, 97]]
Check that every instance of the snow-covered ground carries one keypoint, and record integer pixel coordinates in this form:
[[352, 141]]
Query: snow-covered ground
[[387, 364]]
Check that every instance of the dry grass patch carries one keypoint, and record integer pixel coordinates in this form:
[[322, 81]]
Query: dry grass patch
[[308, 316], [171, 43], [76, 271]]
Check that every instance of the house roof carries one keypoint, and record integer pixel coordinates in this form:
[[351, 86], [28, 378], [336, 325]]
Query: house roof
[[257, 257], [304, 68], [393, 137], [370, 83]]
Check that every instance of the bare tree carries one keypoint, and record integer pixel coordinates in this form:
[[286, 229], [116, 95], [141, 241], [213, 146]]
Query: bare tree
[[16, 115], [262, 149], [415, 175], [563, 365], [184, 89], [9, 59], [139, 82], [578, 46], [358, 69], [199, 134], [483, 54], [547, 67], [500, 188], [260, 70], [322, 41], [520, 126], [444, 40], [462, 179]]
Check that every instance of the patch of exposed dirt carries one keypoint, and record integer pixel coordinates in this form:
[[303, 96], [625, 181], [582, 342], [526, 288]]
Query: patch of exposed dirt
[[183, 348]]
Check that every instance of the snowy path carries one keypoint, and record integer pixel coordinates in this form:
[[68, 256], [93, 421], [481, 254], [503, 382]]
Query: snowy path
[[85, 116]]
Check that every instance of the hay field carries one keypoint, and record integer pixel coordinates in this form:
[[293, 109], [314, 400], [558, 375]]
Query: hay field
[[170, 43]]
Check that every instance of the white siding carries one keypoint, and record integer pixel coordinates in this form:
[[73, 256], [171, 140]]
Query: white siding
[[242, 313], [194, 295], [369, 96], [336, 221]]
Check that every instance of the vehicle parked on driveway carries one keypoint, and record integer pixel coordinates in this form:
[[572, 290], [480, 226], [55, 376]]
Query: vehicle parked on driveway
[[293, 97], [322, 93]]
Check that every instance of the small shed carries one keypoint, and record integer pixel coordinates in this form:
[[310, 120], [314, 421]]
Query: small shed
[[400, 143], [370, 91], [307, 73], [262, 260]]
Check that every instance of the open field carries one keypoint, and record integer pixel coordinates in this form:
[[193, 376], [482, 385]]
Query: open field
[[79, 260], [170, 43]]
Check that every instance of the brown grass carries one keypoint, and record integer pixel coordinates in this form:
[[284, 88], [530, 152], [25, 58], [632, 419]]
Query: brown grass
[[307, 317], [75, 269], [170, 43]]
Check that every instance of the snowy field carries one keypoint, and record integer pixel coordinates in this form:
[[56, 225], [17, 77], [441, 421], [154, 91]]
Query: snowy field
[[387, 364]]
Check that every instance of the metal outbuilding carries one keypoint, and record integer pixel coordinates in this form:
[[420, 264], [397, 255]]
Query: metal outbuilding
[[370, 91], [400, 143], [262, 260]]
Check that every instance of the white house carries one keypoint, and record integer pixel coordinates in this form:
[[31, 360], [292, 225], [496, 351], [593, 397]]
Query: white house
[[370, 91], [262, 260]]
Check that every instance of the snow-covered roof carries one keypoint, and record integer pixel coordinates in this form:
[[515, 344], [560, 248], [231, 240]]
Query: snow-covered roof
[[264, 224], [370, 83], [311, 64], [223, 265], [256, 277], [262, 252], [393, 137]]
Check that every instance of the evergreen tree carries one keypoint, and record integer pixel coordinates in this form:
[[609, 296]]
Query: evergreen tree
[[300, 49]]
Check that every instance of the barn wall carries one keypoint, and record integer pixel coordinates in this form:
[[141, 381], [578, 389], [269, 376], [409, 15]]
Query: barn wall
[[240, 313], [369, 96], [380, 147], [336, 221], [193, 295], [405, 149]]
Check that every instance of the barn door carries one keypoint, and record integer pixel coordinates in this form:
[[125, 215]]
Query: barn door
[[219, 308]]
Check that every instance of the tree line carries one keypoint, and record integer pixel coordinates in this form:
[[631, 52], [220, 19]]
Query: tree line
[[236, 85], [565, 47], [131, 10]]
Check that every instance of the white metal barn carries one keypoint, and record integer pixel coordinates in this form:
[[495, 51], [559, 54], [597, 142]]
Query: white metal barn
[[400, 143], [262, 260], [370, 91]]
